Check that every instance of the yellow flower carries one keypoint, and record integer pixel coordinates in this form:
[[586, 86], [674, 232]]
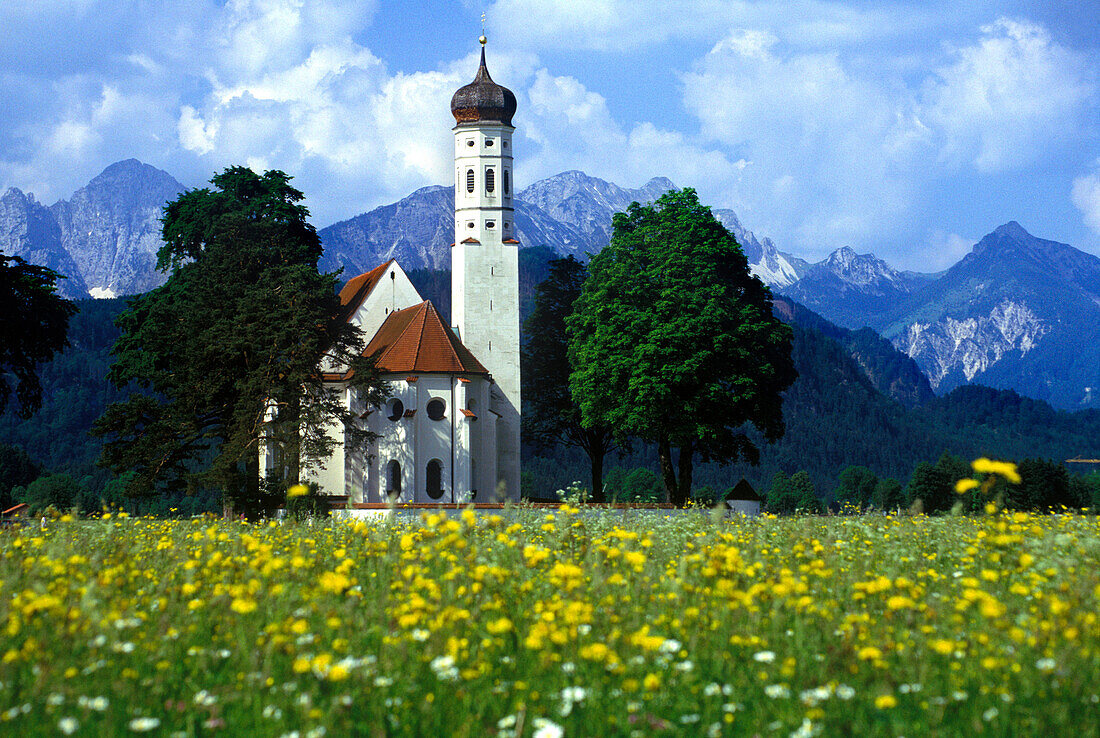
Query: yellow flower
[[651, 682], [243, 606], [868, 653], [298, 490], [965, 485], [1005, 469], [886, 701]]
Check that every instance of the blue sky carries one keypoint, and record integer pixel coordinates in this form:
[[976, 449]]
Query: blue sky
[[905, 129]]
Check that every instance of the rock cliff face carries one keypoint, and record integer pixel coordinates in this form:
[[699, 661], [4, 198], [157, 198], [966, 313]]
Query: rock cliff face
[[972, 345], [28, 230], [111, 227], [766, 261]]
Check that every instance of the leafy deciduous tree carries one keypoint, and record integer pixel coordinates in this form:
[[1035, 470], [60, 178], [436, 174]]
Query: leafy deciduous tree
[[673, 340]]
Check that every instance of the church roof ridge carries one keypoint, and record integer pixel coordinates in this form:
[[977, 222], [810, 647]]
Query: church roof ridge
[[415, 339], [358, 288]]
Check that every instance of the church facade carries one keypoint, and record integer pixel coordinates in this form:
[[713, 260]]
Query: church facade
[[450, 431]]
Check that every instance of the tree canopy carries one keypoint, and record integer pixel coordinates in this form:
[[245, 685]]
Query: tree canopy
[[550, 414], [33, 327], [673, 340], [236, 337]]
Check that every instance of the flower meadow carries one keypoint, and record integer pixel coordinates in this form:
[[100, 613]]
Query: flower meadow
[[553, 623]]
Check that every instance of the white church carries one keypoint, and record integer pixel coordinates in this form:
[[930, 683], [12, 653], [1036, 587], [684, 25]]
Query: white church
[[450, 432]]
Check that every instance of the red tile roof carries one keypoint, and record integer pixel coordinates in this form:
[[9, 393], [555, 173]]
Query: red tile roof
[[510, 240], [416, 340], [357, 289]]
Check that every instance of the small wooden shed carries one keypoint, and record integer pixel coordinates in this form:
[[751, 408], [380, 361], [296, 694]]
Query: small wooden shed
[[744, 500]]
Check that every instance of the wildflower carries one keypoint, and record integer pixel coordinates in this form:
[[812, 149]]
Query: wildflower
[[712, 690], [764, 657], [965, 485], [1045, 664], [886, 701], [670, 645], [991, 713], [777, 691], [546, 729], [1005, 469], [845, 692], [68, 725], [420, 635], [298, 490], [144, 724]]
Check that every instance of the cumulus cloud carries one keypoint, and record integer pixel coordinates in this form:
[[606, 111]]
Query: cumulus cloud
[[1086, 196], [1007, 99]]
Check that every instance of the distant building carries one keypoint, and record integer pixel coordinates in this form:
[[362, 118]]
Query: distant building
[[451, 430], [743, 499]]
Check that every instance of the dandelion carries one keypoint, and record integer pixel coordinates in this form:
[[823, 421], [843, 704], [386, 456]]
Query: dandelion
[[886, 701], [1002, 468], [298, 490]]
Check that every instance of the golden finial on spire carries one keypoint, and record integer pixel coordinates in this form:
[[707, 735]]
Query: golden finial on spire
[[481, 39]]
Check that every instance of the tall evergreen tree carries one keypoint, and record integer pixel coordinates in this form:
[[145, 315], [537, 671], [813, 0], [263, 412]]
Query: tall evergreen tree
[[673, 340], [550, 416], [34, 322], [232, 345]]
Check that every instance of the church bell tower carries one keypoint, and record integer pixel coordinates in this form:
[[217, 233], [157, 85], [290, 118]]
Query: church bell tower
[[485, 256]]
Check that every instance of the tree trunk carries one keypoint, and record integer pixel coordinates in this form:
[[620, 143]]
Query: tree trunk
[[668, 474], [683, 488], [597, 443]]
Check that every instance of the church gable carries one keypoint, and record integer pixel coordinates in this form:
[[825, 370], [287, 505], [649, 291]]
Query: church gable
[[368, 299]]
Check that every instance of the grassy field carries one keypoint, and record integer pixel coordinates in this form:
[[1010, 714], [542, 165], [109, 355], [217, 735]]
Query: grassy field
[[553, 624]]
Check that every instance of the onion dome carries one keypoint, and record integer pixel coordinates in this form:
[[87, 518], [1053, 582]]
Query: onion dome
[[483, 100]]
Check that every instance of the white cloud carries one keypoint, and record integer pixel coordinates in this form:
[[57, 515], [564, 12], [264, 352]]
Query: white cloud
[[1006, 100], [1086, 196]]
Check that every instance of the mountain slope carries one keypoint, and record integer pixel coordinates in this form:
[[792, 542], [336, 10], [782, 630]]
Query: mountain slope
[[851, 289], [1017, 312], [28, 230], [111, 227]]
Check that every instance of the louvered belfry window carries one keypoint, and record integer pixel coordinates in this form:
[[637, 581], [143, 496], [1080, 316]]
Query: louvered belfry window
[[505, 182], [490, 180], [469, 180]]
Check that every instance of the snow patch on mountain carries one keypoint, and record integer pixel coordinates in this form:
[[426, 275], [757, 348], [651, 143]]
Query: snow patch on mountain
[[973, 344]]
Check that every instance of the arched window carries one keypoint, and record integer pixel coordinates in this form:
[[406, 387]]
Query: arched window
[[505, 181], [490, 180], [396, 409], [473, 478], [393, 479], [434, 479], [469, 180], [437, 408]]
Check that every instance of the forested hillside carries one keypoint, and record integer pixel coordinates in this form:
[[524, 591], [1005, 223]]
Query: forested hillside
[[837, 413]]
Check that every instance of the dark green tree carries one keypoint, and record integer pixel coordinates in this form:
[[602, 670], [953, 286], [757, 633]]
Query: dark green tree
[[1044, 484], [857, 486], [673, 340], [888, 494], [34, 322], [792, 494], [59, 491], [17, 469], [236, 337], [550, 416]]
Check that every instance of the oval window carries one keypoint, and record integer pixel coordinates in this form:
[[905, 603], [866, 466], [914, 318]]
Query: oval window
[[504, 181], [434, 478], [490, 180], [469, 180], [437, 409], [396, 409], [488, 142]]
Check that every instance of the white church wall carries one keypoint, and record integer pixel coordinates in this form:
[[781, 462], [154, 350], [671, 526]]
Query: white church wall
[[329, 473], [396, 443], [393, 292]]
